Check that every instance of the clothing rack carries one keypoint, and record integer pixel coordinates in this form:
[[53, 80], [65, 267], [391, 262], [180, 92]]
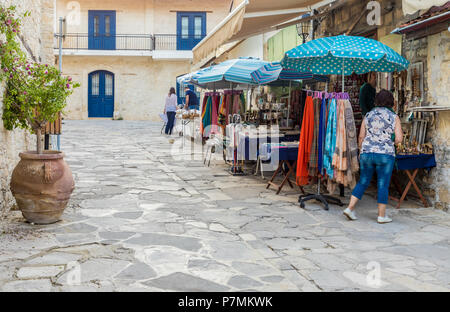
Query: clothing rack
[[213, 94], [324, 199], [233, 92], [324, 94]]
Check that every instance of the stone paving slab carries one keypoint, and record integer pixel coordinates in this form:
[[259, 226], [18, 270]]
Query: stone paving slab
[[147, 215]]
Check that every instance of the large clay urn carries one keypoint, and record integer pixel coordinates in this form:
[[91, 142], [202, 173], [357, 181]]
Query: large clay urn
[[42, 186]]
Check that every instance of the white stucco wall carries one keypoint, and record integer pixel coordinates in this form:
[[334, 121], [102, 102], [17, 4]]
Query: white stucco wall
[[141, 84], [141, 81], [144, 16]]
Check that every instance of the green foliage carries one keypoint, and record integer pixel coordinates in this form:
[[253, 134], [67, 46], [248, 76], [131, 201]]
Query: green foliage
[[35, 93], [9, 47]]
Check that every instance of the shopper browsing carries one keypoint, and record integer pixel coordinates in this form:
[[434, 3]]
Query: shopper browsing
[[191, 100], [380, 131], [170, 110]]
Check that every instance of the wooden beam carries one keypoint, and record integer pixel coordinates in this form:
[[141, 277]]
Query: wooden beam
[[427, 31], [363, 12]]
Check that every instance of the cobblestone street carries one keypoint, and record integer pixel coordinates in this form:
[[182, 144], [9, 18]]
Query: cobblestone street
[[142, 220]]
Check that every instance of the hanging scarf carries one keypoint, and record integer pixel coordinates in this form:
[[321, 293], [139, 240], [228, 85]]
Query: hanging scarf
[[206, 118], [340, 161], [330, 140], [221, 105], [236, 104], [313, 159], [215, 114], [205, 101], [243, 107], [228, 104], [352, 144], [322, 130], [306, 137]]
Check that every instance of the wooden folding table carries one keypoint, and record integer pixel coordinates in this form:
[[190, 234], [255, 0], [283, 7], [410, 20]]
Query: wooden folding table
[[285, 155], [411, 164]]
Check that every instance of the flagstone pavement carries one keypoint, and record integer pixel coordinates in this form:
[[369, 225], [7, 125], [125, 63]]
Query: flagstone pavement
[[141, 219]]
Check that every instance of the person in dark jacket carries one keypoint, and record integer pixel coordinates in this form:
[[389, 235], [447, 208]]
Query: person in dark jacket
[[191, 100], [367, 94]]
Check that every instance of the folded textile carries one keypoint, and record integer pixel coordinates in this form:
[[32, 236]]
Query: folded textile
[[330, 140]]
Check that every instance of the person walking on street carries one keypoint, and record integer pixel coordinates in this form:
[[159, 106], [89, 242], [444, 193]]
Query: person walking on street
[[170, 109], [380, 131]]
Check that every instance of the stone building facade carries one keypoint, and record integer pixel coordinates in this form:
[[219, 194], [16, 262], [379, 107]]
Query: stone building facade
[[37, 40], [148, 43]]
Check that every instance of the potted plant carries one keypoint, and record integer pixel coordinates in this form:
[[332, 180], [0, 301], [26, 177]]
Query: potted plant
[[34, 95]]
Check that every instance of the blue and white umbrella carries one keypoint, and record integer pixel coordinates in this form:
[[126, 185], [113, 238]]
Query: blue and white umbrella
[[185, 79], [249, 71], [295, 75], [343, 55]]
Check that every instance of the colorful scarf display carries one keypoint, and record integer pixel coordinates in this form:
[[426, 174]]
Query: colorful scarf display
[[328, 142], [322, 130], [217, 107], [345, 157]]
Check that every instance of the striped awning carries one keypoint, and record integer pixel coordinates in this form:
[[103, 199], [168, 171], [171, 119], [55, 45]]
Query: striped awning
[[249, 71]]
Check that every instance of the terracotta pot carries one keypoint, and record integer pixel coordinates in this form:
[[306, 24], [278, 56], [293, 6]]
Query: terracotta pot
[[42, 185]]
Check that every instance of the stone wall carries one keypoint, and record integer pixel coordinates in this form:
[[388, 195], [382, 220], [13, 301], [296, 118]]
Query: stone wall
[[37, 41], [438, 82]]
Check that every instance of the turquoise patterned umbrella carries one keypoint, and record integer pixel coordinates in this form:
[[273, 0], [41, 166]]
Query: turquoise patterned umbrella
[[343, 55]]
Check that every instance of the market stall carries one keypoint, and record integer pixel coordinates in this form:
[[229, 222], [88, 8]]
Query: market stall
[[342, 56], [224, 110]]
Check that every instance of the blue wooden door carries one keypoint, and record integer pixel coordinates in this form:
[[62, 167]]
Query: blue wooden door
[[101, 95], [102, 30], [191, 29]]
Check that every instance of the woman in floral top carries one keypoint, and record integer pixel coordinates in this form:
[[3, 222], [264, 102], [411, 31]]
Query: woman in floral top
[[380, 131]]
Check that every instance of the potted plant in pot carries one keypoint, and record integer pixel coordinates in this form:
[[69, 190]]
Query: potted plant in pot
[[35, 94]]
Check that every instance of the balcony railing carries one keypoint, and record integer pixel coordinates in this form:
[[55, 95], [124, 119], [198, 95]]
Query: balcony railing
[[127, 42]]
